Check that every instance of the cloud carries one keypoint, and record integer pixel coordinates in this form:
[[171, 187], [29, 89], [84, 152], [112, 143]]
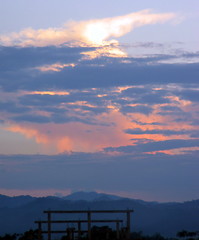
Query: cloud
[[11, 107], [81, 94], [88, 76], [75, 91], [136, 109], [20, 58], [157, 146], [137, 131], [72, 133], [152, 174], [191, 95], [94, 31], [67, 117], [98, 31]]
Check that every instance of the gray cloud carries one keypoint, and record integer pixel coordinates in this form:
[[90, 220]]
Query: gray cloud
[[156, 131], [90, 102], [136, 109], [17, 70], [156, 146], [12, 107], [55, 118], [192, 95], [31, 118], [17, 58]]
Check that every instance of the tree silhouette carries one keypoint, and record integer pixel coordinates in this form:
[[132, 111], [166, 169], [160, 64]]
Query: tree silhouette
[[187, 234], [9, 237], [29, 235]]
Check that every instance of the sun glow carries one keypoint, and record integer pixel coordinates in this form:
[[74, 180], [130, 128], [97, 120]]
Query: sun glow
[[98, 31]]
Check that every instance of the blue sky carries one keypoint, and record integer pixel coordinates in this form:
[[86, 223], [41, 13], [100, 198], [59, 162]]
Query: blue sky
[[99, 96]]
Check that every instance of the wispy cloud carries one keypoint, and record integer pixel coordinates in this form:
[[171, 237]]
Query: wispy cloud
[[92, 32]]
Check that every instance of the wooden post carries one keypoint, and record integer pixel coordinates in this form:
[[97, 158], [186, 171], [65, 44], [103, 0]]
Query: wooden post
[[73, 233], [39, 231], [49, 226], [117, 231], [89, 225], [128, 223], [79, 230]]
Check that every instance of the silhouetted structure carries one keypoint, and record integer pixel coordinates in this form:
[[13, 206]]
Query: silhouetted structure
[[123, 233]]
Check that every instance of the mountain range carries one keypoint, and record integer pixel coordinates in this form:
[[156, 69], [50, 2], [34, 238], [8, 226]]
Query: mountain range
[[17, 214]]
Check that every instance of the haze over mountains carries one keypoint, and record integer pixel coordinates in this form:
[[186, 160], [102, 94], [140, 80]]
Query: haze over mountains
[[17, 214]]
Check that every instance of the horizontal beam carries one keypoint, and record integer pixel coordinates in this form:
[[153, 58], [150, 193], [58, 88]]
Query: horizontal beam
[[89, 211], [79, 221]]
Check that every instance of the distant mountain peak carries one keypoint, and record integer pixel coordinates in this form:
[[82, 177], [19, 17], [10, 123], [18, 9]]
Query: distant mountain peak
[[90, 196]]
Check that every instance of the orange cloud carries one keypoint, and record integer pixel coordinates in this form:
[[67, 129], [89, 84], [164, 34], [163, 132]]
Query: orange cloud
[[49, 93], [56, 67], [29, 133], [76, 136], [108, 130]]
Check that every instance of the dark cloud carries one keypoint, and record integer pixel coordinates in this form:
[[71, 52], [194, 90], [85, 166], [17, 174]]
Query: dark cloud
[[176, 114], [12, 107], [195, 134], [151, 123], [54, 118], [155, 131], [61, 118], [95, 110], [153, 98], [18, 73], [48, 99], [16, 58], [122, 74], [190, 54], [156, 146], [194, 122], [190, 94], [151, 59], [94, 87], [136, 109], [92, 101], [31, 118], [148, 45], [170, 109], [42, 100]]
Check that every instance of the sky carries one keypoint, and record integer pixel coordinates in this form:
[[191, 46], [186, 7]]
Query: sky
[[100, 96]]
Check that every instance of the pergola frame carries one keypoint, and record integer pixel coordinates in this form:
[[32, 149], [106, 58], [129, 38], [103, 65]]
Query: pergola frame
[[89, 220]]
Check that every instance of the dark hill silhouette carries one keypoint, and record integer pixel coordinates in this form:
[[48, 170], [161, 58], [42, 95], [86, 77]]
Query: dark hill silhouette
[[6, 201], [149, 217]]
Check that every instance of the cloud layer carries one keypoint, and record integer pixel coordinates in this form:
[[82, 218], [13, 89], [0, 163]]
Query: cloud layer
[[78, 97]]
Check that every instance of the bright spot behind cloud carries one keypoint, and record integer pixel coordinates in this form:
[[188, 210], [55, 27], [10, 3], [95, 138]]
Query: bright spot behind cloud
[[97, 31]]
